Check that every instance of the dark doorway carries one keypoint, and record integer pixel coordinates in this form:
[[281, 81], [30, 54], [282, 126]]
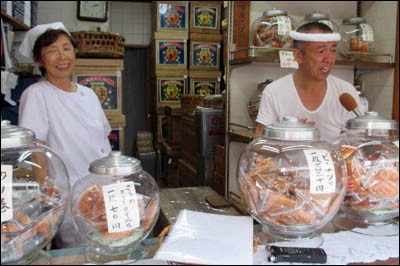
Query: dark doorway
[[134, 97]]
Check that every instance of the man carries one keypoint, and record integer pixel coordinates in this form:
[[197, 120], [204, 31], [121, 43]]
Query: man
[[311, 93]]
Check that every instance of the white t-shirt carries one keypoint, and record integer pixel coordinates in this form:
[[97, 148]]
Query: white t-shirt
[[74, 125], [280, 98]]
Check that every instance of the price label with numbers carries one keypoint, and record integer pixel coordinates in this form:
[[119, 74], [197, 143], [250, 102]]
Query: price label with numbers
[[322, 171], [6, 193], [367, 32], [287, 59], [122, 207]]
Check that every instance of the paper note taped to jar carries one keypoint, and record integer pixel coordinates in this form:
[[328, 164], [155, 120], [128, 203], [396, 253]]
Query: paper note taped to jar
[[322, 171], [122, 208], [6, 193]]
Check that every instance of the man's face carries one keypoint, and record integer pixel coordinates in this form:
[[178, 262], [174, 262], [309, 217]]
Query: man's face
[[318, 59]]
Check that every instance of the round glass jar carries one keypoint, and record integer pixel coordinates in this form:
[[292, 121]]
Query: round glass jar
[[370, 149], [34, 196], [115, 207], [357, 35], [254, 101], [292, 183], [272, 29], [317, 16]]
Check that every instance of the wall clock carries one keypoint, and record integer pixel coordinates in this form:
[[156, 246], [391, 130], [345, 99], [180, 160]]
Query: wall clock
[[92, 10]]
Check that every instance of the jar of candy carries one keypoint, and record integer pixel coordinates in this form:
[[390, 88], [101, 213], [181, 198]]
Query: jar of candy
[[34, 196], [317, 16], [272, 29], [291, 182], [115, 207], [357, 35], [370, 149]]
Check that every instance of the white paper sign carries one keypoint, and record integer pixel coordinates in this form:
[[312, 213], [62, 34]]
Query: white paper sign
[[322, 171], [122, 208], [6, 193], [287, 59], [284, 25], [367, 32]]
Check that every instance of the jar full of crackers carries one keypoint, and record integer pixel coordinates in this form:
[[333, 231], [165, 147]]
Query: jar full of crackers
[[291, 182], [272, 29]]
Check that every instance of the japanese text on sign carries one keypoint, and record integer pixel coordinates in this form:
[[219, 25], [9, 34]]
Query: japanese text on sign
[[322, 171], [122, 207], [287, 59], [6, 193], [367, 32]]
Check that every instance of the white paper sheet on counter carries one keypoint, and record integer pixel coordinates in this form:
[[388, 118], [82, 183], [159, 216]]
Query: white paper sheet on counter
[[204, 238]]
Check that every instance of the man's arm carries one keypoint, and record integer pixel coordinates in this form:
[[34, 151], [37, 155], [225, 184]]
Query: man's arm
[[259, 130]]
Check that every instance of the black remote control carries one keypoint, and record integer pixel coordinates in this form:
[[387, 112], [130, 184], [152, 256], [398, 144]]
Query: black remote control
[[295, 254]]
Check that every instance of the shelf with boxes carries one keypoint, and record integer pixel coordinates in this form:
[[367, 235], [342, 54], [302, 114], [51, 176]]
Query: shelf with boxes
[[105, 78]]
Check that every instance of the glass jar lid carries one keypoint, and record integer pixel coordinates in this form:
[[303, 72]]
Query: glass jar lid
[[353, 21], [291, 128], [371, 120], [315, 16], [274, 12], [116, 164], [14, 136]]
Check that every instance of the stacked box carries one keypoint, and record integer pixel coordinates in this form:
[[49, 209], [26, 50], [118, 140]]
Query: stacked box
[[205, 16], [205, 82], [104, 77]]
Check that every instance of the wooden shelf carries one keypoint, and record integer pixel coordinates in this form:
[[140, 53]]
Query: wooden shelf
[[17, 25], [271, 55]]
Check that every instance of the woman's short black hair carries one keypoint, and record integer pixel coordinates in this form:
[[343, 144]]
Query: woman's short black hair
[[46, 39]]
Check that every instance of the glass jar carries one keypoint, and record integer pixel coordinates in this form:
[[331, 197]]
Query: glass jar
[[317, 16], [115, 207], [254, 101], [370, 149], [357, 35], [291, 182], [34, 196], [272, 29]]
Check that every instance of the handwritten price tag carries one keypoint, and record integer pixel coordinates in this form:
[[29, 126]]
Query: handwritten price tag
[[287, 59]]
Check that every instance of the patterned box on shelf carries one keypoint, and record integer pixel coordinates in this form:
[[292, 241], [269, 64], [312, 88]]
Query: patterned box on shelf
[[172, 16], [170, 54], [205, 16], [172, 73], [170, 89], [116, 120], [204, 55], [202, 83], [104, 77]]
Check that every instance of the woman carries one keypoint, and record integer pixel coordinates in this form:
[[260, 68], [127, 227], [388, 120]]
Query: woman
[[64, 115]]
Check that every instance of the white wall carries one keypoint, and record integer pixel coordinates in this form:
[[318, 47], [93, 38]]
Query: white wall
[[131, 19], [379, 83]]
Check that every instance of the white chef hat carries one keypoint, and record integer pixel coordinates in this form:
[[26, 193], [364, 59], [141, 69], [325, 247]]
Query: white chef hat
[[33, 34]]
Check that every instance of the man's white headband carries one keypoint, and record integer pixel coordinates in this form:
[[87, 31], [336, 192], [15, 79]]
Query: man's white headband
[[315, 37]]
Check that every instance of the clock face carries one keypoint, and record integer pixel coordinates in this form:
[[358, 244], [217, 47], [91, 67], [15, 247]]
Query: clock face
[[92, 10]]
